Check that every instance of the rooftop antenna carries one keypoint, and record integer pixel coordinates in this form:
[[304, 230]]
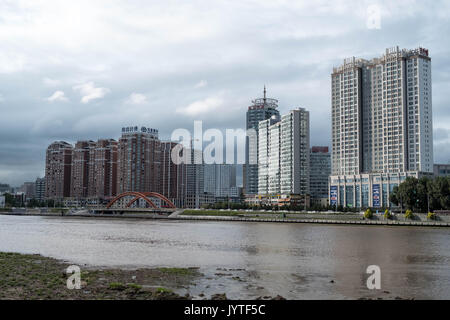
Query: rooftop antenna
[[264, 94]]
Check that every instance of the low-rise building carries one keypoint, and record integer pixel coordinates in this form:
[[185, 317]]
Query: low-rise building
[[441, 170], [367, 189]]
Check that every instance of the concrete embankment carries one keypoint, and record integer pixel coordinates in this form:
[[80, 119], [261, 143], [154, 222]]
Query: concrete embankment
[[321, 221], [177, 215]]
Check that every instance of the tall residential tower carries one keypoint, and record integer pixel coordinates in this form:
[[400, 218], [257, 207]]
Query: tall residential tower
[[284, 165], [58, 169], [262, 109], [381, 125]]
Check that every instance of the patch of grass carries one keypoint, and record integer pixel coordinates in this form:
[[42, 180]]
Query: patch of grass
[[134, 286], [211, 213], [117, 286], [163, 290], [178, 271], [58, 210]]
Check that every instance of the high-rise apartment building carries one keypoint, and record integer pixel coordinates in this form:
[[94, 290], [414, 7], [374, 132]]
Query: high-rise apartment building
[[320, 163], [262, 109], [265, 136], [381, 125], [139, 160], [219, 179], [284, 154], [80, 169], [103, 169], [195, 189], [58, 168], [172, 175]]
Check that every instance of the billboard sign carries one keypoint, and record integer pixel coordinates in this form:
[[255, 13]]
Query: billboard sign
[[333, 195], [376, 195]]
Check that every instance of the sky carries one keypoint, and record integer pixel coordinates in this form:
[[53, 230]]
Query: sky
[[75, 70]]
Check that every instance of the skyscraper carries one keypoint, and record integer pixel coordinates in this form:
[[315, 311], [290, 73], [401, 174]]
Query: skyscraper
[[320, 159], [172, 175], [265, 136], [284, 154], [219, 179], [139, 160], [103, 169], [80, 169], [294, 152], [195, 189], [262, 109], [381, 125], [58, 167]]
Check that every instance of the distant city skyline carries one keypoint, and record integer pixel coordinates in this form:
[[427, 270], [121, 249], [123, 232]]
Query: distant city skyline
[[88, 71]]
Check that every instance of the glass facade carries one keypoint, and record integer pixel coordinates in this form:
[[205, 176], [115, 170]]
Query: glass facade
[[349, 196], [357, 196], [385, 195], [365, 195]]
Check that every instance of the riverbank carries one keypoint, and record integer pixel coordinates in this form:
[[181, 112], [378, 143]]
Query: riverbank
[[35, 277], [25, 276], [258, 216]]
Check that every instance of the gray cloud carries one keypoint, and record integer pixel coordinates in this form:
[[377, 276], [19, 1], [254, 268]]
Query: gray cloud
[[136, 62]]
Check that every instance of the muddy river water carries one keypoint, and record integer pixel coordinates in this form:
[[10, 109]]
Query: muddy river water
[[249, 260]]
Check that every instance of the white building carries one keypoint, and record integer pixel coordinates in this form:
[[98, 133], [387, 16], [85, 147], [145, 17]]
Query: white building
[[264, 152], [261, 109], [381, 122], [2, 201], [284, 154]]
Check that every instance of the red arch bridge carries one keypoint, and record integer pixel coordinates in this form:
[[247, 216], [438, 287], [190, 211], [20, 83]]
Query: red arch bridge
[[124, 203]]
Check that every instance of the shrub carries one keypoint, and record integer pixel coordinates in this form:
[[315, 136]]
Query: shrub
[[408, 214], [431, 216], [387, 214], [368, 214]]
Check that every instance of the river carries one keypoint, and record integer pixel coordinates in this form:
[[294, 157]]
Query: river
[[248, 260]]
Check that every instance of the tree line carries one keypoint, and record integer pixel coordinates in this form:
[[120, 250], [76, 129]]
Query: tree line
[[422, 195]]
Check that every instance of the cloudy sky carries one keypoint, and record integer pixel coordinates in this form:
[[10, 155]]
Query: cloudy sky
[[74, 70]]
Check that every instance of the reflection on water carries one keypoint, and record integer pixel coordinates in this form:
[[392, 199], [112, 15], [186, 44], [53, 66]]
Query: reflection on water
[[297, 261]]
